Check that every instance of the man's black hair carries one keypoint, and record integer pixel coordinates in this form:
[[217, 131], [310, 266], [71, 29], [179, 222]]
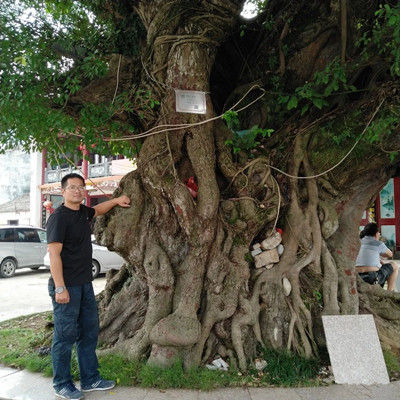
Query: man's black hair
[[65, 178]]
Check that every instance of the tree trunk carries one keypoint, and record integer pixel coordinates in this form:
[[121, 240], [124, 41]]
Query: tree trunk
[[190, 289]]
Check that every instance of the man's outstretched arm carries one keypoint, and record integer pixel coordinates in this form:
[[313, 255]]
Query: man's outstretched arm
[[103, 208]]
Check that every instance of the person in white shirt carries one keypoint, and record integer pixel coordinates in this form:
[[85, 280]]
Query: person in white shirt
[[369, 265]]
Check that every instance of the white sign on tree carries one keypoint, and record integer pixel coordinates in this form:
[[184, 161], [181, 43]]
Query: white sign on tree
[[190, 101]]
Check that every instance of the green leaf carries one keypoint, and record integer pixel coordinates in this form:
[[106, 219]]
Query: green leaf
[[393, 20], [304, 109], [393, 155], [317, 101], [283, 99], [328, 90], [292, 103]]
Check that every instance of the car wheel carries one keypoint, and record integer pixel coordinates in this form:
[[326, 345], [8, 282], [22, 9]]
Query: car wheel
[[7, 268], [95, 268]]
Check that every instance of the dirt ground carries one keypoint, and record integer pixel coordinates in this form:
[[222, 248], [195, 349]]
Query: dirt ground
[[36, 321]]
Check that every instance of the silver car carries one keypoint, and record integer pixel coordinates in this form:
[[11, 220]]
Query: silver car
[[102, 259], [21, 247]]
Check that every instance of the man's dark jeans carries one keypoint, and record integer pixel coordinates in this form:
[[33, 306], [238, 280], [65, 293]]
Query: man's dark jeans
[[75, 322]]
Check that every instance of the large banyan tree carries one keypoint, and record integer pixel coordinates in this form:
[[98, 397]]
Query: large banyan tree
[[293, 126]]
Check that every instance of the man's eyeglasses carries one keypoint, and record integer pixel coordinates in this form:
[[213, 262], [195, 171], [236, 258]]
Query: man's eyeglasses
[[72, 188]]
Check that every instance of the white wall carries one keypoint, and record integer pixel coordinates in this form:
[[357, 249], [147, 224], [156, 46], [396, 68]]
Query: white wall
[[14, 169], [23, 217], [35, 197], [20, 172]]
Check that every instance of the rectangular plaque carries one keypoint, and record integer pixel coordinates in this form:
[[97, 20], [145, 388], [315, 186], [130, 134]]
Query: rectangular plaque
[[190, 101]]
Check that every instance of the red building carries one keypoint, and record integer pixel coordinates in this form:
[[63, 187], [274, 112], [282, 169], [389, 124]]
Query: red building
[[102, 176]]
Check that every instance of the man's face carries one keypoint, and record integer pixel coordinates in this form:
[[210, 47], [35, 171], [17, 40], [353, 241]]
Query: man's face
[[74, 192]]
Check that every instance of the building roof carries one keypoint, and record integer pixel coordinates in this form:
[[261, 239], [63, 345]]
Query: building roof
[[20, 204]]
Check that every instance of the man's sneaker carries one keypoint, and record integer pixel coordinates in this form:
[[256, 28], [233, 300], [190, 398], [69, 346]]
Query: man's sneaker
[[99, 385], [69, 391]]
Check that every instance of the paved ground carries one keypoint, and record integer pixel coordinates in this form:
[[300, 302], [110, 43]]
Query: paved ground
[[26, 293]]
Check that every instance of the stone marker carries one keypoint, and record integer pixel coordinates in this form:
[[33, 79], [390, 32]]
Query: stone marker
[[354, 350]]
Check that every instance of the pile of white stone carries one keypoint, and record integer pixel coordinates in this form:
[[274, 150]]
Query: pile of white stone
[[266, 254]]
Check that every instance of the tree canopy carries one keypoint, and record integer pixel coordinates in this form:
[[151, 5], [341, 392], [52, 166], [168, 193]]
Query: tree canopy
[[52, 50]]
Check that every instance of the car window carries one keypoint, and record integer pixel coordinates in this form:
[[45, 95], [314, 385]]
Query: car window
[[7, 235], [42, 236], [27, 235]]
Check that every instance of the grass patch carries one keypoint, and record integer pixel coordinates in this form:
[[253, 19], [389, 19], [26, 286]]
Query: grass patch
[[175, 377], [19, 347], [392, 362], [22, 339], [286, 369], [120, 370]]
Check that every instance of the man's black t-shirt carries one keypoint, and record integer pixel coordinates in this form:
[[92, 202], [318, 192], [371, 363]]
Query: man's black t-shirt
[[72, 229]]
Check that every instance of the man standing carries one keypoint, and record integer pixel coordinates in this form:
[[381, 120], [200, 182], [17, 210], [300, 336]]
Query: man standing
[[70, 287]]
